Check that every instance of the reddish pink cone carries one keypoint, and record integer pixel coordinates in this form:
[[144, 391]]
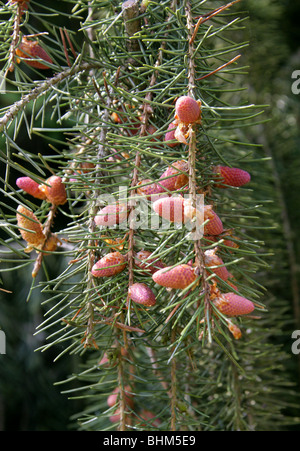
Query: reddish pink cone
[[30, 50], [55, 190], [179, 277], [110, 265], [170, 208], [187, 110], [178, 174], [150, 189], [142, 294], [211, 259], [231, 304], [231, 176], [31, 187], [111, 215], [170, 135], [215, 225], [150, 265]]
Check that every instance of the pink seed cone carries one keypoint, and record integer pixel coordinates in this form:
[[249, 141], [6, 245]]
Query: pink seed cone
[[30, 50], [170, 208], [111, 215], [149, 189], [142, 294], [187, 110], [178, 174], [215, 225], [30, 227], [150, 265], [31, 187], [110, 265], [179, 277], [231, 176], [213, 260], [231, 304], [56, 191], [170, 136]]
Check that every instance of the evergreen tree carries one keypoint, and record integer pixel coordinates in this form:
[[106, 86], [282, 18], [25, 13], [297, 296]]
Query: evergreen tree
[[145, 98]]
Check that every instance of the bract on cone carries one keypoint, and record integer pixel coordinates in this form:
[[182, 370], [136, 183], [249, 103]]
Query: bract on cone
[[170, 208]]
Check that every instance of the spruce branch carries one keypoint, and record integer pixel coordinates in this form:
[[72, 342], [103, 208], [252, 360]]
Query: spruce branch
[[41, 89], [199, 253]]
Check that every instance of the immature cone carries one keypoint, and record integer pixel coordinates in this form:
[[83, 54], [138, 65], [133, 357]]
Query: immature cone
[[110, 265], [231, 176], [150, 265], [211, 259], [170, 139], [149, 189], [170, 208], [215, 225], [111, 215], [31, 187], [177, 209], [56, 191], [142, 294], [178, 174], [179, 277], [30, 50], [231, 305], [187, 110], [33, 234]]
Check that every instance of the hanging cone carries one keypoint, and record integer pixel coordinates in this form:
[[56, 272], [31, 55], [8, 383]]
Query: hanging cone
[[179, 277]]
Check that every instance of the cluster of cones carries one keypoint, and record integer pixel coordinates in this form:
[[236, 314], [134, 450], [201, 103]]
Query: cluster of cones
[[32, 231], [166, 195]]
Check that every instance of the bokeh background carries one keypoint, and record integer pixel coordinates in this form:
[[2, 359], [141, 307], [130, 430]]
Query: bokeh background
[[30, 399]]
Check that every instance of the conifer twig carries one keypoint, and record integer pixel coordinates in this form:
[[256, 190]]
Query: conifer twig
[[42, 88], [15, 37], [199, 254]]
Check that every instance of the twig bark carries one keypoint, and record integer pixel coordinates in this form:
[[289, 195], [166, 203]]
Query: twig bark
[[132, 22]]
